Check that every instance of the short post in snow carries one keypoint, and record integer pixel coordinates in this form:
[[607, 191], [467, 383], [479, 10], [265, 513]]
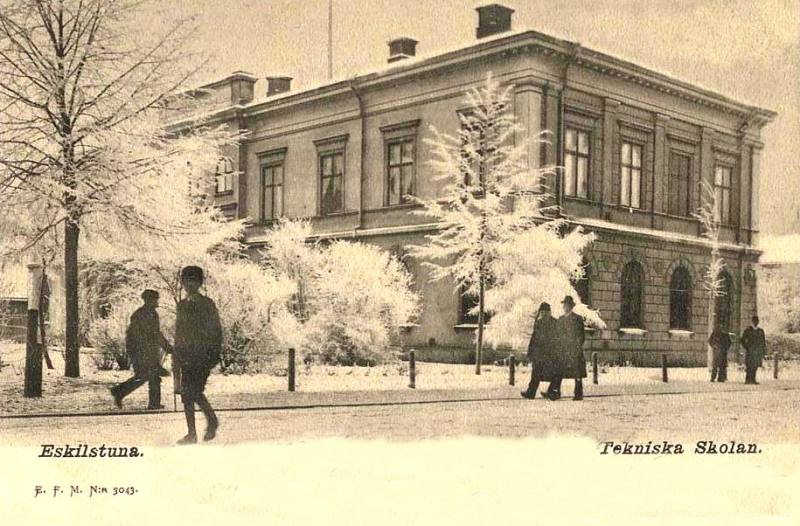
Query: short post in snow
[[775, 365], [512, 369], [412, 370], [291, 370], [664, 377], [595, 372]]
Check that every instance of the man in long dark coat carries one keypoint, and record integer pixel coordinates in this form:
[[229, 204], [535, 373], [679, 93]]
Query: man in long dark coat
[[720, 342], [143, 342], [755, 344], [198, 344], [571, 336], [542, 352]]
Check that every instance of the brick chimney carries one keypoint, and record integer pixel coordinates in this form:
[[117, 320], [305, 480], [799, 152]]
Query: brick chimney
[[401, 48], [493, 19], [276, 85]]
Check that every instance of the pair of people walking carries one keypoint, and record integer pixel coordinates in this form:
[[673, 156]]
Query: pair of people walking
[[754, 342], [198, 345], [555, 351]]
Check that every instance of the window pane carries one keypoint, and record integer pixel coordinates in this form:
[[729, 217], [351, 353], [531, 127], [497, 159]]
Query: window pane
[[718, 176], [277, 175], [726, 206], [636, 186], [327, 165], [625, 192], [582, 170], [278, 208], [266, 173], [569, 175], [407, 182], [408, 152], [636, 152], [570, 140], [394, 154], [338, 164], [626, 153], [220, 183], [268, 208], [394, 185], [583, 143]]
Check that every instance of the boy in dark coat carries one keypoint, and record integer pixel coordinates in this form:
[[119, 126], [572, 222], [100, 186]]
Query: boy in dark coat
[[720, 342], [542, 351], [143, 342], [198, 344], [571, 336], [755, 343]]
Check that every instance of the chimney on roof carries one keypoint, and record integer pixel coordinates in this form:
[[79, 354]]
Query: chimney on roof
[[276, 85], [401, 48], [493, 19]]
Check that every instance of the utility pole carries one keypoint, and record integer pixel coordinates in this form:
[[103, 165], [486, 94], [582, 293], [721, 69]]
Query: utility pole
[[33, 349]]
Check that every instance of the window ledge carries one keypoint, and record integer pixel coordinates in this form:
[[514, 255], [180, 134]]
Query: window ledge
[[575, 198], [633, 331], [680, 333], [466, 326], [408, 326], [223, 194]]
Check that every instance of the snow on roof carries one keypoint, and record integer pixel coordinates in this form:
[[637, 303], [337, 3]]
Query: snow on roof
[[780, 249]]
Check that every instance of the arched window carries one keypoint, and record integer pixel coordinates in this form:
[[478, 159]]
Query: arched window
[[632, 295], [724, 302], [583, 286], [680, 299]]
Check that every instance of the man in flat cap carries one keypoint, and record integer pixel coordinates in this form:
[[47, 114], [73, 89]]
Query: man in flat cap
[[143, 342], [571, 336], [198, 345]]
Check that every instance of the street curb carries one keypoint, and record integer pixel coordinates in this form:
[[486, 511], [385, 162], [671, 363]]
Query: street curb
[[372, 404]]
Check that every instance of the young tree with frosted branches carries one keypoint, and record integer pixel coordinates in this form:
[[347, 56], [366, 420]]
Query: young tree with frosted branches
[[491, 197], [83, 150]]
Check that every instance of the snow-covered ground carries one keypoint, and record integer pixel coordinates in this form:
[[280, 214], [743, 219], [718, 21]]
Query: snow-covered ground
[[90, 392]]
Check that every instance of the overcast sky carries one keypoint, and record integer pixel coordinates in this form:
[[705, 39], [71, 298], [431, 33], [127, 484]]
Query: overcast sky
[[746, 49]]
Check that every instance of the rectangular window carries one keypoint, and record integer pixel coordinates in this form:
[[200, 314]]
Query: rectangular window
[[722, 194], [272, 191], [224, 176], [331, 168], [678, 183], [576, 163], [631, 175], [400, 171]]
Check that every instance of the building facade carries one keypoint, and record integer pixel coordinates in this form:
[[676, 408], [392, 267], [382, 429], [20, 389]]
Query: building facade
[[634, 144]]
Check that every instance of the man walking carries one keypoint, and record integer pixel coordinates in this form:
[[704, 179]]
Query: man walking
[[755, 343], [143, 341], [570, 335], [198, 344], [542, 353], [720, 342]]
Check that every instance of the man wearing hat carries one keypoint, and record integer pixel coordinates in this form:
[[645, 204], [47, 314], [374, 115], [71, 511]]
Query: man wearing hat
[[754, 342], [198, 344], [542, 351], [569, 329], [143, 342]]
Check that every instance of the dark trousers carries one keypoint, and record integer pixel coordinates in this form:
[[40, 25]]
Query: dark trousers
[[555, 388], [751, 367], [719, 366], [154, 387]]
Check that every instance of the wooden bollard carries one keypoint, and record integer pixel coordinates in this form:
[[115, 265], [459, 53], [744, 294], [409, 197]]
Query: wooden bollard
[[595, 371], [512, 369], [412, 370], [664, 377], [775, 365], [291, 370]]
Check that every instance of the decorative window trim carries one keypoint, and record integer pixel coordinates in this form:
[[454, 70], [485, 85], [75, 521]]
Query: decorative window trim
[[633, 331], [273, 162], [331, 147], [583, 111], [685, 139], [680, 334], [273, 153], [633, 141], [327, 144], [635, 125], [397, 134], [586, 130], [407, 127]]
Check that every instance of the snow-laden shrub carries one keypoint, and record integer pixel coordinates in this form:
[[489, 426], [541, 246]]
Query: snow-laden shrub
[[350, 298]]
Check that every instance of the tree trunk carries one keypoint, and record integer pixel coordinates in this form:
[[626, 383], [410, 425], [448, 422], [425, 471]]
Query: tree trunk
[[72, 367], [479, 343], [709, 349]]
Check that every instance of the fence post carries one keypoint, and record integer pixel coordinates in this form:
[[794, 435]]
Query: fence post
[[412, 370], [512, 369], [775, 365], [291, 370], [595, 372], [664, 377]]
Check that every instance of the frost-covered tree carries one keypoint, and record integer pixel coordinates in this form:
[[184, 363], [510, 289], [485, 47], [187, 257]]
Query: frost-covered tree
[[83, 152], [350, 299], [709, 216], [490, 198]]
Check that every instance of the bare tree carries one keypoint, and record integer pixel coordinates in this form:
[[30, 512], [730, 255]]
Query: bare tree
[[83, 152], [708, 215]]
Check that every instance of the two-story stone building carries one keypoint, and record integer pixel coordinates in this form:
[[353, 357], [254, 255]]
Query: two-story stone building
[[635, 145]]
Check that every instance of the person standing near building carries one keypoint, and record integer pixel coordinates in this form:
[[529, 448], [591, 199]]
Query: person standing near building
[[754, 342], [542, 352], [570, 337], [143, 342], [720, 342], [198, 344]]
